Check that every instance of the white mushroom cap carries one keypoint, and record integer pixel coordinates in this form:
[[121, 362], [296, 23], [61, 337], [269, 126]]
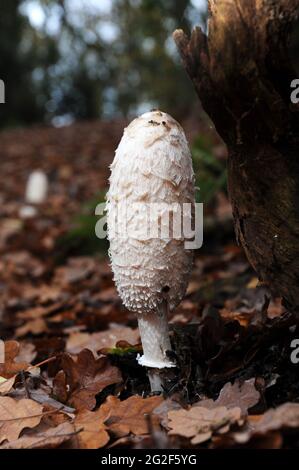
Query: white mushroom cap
[[152, 168], [37, 187], [152, 165]]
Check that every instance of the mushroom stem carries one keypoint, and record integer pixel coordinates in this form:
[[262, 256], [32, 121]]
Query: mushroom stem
[[154, 333], [157, 382]]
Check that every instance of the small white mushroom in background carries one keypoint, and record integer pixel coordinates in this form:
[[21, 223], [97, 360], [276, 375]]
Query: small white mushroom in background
[[36, 193], [37, 187], [152, 166]]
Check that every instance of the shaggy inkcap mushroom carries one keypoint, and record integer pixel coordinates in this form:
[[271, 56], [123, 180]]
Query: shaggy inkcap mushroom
[[151, 172], [36, 193], [37, 187]]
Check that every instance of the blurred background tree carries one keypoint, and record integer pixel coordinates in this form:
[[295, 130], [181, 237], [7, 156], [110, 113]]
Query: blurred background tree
[[295, 47], [63, 60], [147, 68], [25, 57]]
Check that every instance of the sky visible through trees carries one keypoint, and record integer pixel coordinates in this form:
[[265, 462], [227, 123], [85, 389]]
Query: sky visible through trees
[[63, 60]]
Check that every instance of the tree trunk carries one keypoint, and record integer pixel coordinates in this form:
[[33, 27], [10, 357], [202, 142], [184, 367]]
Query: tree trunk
[[242, 74]]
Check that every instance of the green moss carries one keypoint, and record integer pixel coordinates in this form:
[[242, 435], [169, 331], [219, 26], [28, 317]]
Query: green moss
[[210, 172], [81, 239], [122, 351]]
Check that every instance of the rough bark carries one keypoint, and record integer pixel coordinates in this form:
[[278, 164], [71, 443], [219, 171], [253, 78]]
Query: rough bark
[[242, 73]]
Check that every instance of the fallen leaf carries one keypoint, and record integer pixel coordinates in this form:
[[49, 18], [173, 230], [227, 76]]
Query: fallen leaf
[[284, 417], [77, 270], [243, 395], [108, 295], [275, 308], [24, 264], [44, 294], [93, 434], [27, 353], [47, 347], [200, 423], [86, 377], [130, 416], [35, 327], [6, 385], [34, 313], [242, 318], [10, 366], [60, 390], [16, 416], [193, 287], [162, 410], [49, 439], [252, 284]]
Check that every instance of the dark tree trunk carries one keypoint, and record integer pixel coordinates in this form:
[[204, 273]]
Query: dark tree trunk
[[242, 74]]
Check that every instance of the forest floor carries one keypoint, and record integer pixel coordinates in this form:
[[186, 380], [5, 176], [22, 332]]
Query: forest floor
[[70, 377]]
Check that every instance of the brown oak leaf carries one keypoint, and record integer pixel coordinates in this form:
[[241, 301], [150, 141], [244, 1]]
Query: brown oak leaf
[[91, 429], [49, 439], [6, 385], [200, 423], [243, 395], [285, 416], [84, 378], [130, 416], [27, 353], [35, 327], [16, 416], [10, 366]]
